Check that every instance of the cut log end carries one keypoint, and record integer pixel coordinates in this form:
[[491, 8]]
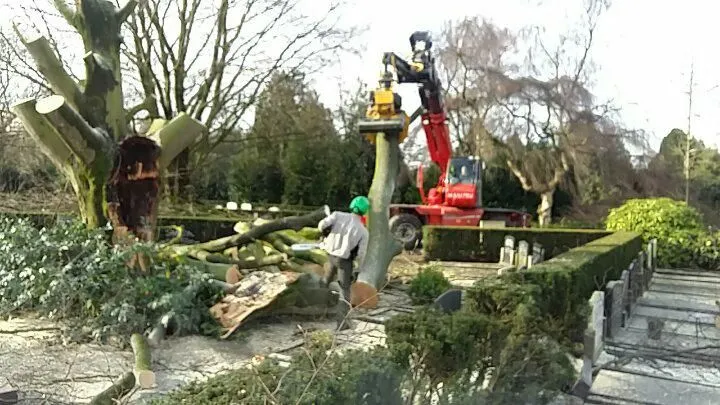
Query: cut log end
[[363, 295], [233, 275], [145, 379], [49, 104]]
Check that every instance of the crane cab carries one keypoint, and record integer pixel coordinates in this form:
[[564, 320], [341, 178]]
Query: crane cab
[[463, 183]]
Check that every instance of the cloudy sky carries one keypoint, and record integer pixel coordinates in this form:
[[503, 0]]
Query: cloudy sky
[[644, 51]]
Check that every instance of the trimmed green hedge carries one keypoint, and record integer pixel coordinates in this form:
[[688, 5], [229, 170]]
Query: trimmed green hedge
[[204, 228], [474, 244], [560, 287]]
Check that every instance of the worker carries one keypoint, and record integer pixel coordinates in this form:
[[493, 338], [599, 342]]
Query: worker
[[346, 240]]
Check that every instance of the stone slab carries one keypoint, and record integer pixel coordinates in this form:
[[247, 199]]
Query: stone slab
[[682, 328], [680, 304], [646, 389], [674, 315]]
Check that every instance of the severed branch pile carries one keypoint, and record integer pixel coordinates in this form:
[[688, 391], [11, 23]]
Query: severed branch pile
[[260, 274], [260, 246]]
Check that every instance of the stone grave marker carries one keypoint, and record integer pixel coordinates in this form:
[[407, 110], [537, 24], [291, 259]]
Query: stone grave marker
[[523, 252], [538, 255], [507, 252], [596, 324], [625, 280], [613, 308]]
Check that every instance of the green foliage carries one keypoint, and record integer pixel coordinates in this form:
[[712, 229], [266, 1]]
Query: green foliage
[[354, 377], [428, 285], [71, 274], [293, 153], [677, 227], [474, 244]]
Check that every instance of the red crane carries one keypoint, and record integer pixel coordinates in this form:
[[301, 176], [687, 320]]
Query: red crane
[[457, 198]]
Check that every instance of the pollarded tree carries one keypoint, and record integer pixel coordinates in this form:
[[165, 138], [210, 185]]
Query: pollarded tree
[[83, 128]]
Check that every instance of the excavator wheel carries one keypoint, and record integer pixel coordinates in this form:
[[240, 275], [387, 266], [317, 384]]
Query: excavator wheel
[[407, 229]]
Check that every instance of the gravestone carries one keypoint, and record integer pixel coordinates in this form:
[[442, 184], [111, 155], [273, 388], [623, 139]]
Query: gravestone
[[625, 280], [538, 255], [637, 281], [613, 308], [449, 301], [596, 326], [593, 336], [522, 254], [507, 252]]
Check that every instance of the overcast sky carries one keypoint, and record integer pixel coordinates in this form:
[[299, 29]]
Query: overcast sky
[[644, 50]]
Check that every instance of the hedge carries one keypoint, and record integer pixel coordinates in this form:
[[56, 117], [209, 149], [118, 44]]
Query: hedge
[[560, 287], [203, 228], [474, 244]]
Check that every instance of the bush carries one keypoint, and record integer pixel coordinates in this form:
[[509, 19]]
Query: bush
[[474, 244], [353, 377], [678, 228], [429, 284], [71, 274]]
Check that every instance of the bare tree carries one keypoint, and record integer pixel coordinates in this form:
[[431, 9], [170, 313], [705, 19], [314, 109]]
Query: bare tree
[[211, 59], [524, 111]]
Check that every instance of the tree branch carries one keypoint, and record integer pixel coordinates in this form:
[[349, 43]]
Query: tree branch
[[38, 127], [52, 69], [84, 141], [67, 12], [126, 11], [148, 104], [176, 136]]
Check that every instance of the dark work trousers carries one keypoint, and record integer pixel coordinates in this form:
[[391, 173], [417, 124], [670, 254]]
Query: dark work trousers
[[343, 268]]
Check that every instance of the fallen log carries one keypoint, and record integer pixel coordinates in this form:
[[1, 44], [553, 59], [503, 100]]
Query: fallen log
[[244, 264], [294, 222], [280, 243], [115, 392], [144, 375]]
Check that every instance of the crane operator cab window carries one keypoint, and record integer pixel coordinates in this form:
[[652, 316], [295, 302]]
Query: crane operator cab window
[[462, 172]]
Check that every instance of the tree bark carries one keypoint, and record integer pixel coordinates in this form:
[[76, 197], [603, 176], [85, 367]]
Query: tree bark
[[545, 208], [144, 376], [382, 246], [115, 392]]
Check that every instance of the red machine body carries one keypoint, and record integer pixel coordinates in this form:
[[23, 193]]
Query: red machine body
[[457, 198]]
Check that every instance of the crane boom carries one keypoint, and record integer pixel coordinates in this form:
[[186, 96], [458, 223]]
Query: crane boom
[[421, 70]]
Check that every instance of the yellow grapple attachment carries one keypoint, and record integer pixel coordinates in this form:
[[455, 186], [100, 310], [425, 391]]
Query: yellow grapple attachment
[[382, 116]]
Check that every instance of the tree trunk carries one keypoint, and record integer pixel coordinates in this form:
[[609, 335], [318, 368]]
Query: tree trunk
[[545, 208], [80, 127], [382, 246]]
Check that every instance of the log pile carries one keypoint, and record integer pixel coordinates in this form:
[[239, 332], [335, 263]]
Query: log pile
[[258, 246]]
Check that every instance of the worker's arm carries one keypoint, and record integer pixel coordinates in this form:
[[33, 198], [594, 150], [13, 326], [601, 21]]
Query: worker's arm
[[325, 225]]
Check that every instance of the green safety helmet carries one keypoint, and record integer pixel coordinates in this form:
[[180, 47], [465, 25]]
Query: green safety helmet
[[360, 205]]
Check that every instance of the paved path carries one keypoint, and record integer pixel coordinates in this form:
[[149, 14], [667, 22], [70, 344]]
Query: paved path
[[683, 365]]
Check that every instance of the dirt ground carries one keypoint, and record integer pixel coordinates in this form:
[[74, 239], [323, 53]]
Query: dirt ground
[[34, 359]]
